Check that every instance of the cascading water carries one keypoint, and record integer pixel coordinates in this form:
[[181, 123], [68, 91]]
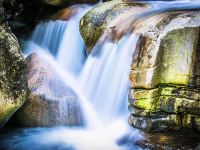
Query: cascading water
[[48, 35], [105, 77], [71, 53], [104, 106], [56, 38]]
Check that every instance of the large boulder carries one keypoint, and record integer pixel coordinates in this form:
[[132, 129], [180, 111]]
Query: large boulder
[[105, 17], [13, 83], [50, 100], [165, 72]]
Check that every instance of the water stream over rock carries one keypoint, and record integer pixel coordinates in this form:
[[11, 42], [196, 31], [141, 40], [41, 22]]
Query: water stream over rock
[[101, 85]]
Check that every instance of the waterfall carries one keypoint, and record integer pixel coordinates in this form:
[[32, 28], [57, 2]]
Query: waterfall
[[111, 65], [71, 53], [56, 37], [100, 80], [48, 35], [105, 77]]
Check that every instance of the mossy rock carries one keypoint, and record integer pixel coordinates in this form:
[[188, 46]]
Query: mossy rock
[[174, 63], [105, 17], [165, 74], [13, 83], [176, 58], [155, 123]]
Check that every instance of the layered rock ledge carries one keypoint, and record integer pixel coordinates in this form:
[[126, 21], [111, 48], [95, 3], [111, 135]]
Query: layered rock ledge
[[164, 92]]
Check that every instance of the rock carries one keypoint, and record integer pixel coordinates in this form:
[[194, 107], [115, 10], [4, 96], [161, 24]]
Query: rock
[[155, 123], [13, 83], [50, 100], [66, 13], [165, 74], [105, 17]]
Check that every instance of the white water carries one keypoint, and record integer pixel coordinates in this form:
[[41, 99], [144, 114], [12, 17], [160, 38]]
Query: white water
[[105, 78], [63, 40], [71, 53], [100, 81], [48, 35]]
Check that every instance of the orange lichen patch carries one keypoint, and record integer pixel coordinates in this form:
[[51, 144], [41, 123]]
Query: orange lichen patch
[[65, 13]]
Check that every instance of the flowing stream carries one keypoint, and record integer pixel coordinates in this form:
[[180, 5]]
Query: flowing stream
[[101, 82]]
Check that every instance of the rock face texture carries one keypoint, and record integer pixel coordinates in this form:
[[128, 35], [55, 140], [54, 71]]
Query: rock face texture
[[50, 101], [165, 73], [13, 83], [105, 18]]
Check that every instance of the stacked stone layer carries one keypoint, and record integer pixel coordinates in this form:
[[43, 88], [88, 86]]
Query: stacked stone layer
[[165, 92]]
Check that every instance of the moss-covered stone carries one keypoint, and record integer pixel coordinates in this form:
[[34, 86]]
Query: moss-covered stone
[[165, 74], [176, 57], [174, 61], [104, 18], [156, 123], [13, 83]]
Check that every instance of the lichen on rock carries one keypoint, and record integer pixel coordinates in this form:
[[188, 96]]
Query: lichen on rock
[[105, 17], [13, 83], [165, 76]]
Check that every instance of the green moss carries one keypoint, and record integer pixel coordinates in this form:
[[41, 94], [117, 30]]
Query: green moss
[[92, 24], [166, 100], [175, 58], [99, 19], [13, 85]]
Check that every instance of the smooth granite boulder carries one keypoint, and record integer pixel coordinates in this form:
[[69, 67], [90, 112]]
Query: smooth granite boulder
[[50, 101]]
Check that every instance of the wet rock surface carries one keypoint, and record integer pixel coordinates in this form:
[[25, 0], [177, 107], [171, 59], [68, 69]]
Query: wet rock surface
[[50, 101], [105, 17], [165, 76]]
